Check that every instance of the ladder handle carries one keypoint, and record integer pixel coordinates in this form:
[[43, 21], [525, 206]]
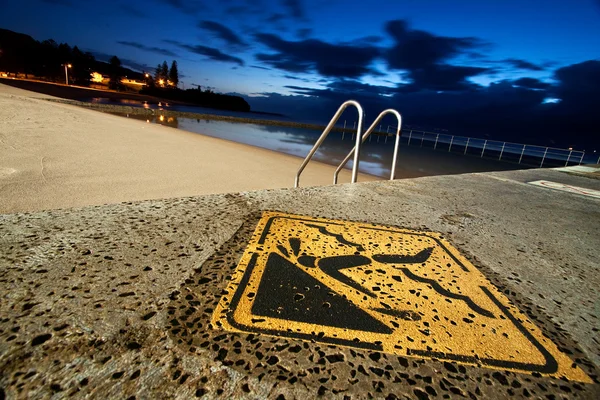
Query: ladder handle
[[366, 135], [326, 132]]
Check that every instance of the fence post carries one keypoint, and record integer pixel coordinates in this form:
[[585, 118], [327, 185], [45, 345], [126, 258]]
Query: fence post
[[388, 130], [568, 158], [409, 136], [344, 130], [598, 162], [482, 151], [581, 159], [354, 127], [380, 125], [436, 140], [522, 152], [502, 151], [467, 145], [422, 137], [544, 157], [450, 147]]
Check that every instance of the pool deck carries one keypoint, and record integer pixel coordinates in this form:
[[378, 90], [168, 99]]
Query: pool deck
[[115, 301]]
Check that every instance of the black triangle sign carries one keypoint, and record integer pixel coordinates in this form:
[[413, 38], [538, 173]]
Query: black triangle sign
[[287, 292]]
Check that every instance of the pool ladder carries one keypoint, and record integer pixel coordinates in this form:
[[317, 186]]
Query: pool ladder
[[359, 140]]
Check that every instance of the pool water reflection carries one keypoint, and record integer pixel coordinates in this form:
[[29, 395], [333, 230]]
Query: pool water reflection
[[376, 153]]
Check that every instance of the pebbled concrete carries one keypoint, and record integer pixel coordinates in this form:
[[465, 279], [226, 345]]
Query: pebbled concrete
[[115, 301]]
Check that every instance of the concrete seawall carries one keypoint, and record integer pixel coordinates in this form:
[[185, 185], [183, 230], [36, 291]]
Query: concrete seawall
[[117, 300]]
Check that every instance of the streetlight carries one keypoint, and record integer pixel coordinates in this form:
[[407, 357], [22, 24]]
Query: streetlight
[[66, 73]]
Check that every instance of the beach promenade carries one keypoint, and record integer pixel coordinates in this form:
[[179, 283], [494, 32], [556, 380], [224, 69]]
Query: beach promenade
[[466, 286]]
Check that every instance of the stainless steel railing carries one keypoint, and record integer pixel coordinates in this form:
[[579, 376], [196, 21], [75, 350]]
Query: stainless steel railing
[[365, 136], [326, 132]]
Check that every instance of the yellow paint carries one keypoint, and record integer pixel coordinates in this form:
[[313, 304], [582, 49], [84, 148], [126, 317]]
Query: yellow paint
[[443, 324]]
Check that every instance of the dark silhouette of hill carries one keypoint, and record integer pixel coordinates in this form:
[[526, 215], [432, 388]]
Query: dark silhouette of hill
[[22, 54]]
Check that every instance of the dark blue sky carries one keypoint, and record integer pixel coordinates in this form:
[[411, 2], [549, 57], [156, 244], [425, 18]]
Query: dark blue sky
[[302, 57]]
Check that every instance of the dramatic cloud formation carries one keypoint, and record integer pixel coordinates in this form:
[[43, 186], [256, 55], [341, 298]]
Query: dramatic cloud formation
[[531, 83], [510, 110], [157, 50], [416, 49], [222, 32], [312, 55], [426, 58], [522, 64], [209, 52]]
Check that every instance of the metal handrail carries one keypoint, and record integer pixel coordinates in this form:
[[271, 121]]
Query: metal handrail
[[365, 136], [326, 132]]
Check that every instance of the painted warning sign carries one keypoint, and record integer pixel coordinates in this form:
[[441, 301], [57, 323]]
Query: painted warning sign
[[394, 290]]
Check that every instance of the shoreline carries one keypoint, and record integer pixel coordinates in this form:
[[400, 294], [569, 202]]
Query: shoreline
[[57, 156], [61, 93], [192, 115]]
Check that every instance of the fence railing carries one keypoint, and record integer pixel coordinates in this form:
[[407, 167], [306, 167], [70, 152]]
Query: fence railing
[[526, 154]]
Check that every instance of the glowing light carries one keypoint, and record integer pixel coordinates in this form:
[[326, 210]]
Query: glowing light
[[162, 118], [552, 100], [69, 65], [96, 77], [161, 82]]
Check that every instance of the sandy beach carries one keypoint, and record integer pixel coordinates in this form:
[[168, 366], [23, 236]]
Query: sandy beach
[[58, 156]]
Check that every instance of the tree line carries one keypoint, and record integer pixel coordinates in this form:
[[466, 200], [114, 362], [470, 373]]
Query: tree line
[[21, 54], [164, 77]]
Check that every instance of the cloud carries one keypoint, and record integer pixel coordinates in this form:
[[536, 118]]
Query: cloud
[[295, 8], [152, 49], [582, 79], [508, 110], [531, 83], [332, 60], [522, 64], [209, 52], [426, 56], [443, 77], [415, 49], [303, 33], [222, 32], [125, 62]]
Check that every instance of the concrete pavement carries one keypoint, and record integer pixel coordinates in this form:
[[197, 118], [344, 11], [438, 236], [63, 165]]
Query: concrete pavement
[[119, 300]]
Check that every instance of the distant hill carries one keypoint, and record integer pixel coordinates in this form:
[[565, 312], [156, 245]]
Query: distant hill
[[20, 53]]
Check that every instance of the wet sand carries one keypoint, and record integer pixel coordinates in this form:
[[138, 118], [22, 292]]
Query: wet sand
[[58, 156]]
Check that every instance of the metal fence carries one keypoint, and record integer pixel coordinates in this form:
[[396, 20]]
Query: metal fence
[[505, 151]]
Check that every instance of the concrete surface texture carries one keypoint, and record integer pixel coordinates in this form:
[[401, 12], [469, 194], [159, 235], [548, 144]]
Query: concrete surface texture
[[58, 156], [116, 301]]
